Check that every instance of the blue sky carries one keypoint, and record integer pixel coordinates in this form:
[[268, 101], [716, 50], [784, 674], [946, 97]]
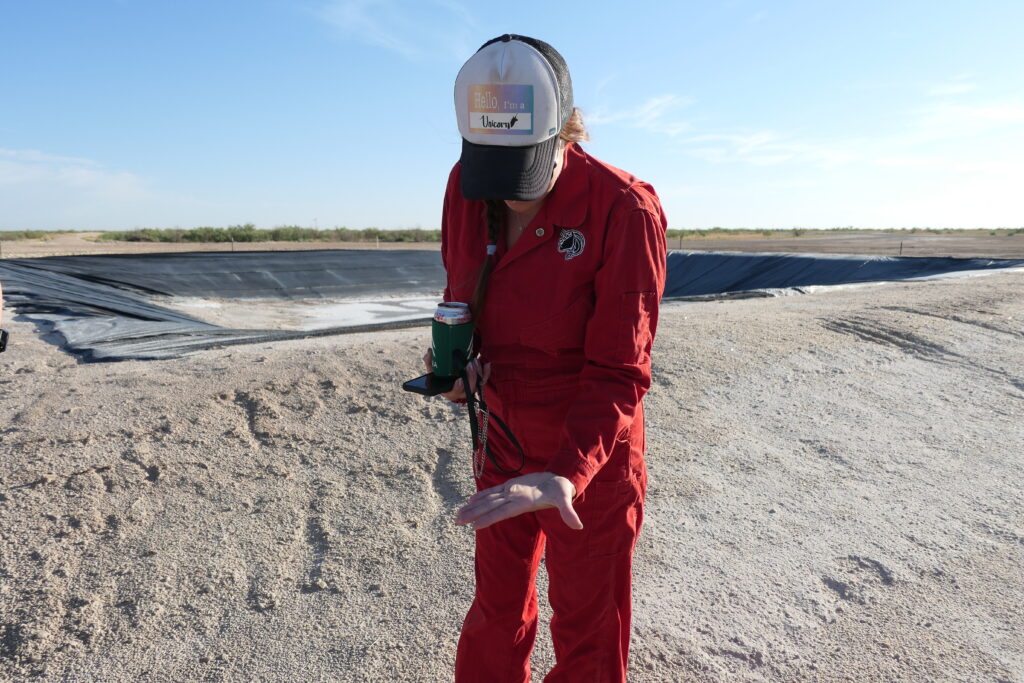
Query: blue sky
[[117, 114]]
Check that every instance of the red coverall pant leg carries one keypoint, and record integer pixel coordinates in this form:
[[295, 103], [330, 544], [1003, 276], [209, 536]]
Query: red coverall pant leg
[[590, 589]]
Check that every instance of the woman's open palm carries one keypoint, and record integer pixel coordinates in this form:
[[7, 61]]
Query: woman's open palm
[[526, 493]]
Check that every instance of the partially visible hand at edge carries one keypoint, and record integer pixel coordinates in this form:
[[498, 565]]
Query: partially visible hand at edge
[[526, 493]]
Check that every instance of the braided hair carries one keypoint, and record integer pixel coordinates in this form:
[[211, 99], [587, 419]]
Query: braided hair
[[495, 220]]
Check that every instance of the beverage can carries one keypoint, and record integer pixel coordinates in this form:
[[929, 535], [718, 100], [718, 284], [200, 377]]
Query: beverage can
[[453, 313], [452, 338]]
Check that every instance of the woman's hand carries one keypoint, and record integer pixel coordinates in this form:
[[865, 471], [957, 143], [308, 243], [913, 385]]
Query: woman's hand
[[522, 494], [474, 370]]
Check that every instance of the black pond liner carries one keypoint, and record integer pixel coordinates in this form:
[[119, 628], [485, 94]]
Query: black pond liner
[[102, 308], [709, 274]]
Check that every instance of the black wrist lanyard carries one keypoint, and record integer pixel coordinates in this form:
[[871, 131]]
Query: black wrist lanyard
[[478, 423]]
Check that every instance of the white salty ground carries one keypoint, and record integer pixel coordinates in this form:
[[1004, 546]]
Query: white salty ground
[[836, 495]]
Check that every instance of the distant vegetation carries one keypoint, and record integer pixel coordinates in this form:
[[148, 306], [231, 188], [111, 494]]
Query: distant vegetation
[[28, 234], [293, 233], [287, 233]]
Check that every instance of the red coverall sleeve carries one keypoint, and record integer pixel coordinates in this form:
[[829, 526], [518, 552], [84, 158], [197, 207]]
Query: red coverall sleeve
[[446, 237], [446, 229], [617, 346]]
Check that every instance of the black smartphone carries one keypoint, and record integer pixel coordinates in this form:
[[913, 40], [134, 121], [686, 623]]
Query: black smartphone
[[429, 384]]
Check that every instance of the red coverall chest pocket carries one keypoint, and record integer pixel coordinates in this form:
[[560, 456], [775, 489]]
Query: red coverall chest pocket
[[565, 329]]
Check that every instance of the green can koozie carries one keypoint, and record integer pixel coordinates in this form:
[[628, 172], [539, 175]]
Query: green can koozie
[[451, 331]]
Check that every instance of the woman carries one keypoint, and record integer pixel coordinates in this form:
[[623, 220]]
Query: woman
[[562, 259]]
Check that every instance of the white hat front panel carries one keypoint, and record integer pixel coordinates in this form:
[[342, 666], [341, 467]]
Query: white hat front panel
[[507, 95]]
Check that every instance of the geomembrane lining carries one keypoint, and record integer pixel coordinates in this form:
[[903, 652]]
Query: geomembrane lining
[[694, 274], [102, 307]]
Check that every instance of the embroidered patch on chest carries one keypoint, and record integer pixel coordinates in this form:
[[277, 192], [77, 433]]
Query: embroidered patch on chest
[[571, 243]]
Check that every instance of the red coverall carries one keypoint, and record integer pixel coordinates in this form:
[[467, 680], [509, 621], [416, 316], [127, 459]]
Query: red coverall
[[567, 326]]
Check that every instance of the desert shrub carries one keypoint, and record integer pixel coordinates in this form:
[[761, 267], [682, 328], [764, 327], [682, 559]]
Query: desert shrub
[[245, 233], [26, 234], [143, 235], [203, 234], [294, 233]]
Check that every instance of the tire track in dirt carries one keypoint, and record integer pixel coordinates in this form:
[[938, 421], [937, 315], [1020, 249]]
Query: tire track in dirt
[[876, 332]]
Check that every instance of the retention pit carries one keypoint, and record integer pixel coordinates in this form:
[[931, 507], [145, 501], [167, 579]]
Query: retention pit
[[117, 307]]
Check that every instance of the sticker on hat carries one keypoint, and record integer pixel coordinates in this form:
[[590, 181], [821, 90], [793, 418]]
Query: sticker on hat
[[502, 108]]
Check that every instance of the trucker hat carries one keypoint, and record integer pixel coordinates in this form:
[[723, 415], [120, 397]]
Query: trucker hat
[[511, 99]]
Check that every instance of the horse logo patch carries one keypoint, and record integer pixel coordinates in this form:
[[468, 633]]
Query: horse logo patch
[[571, 243]]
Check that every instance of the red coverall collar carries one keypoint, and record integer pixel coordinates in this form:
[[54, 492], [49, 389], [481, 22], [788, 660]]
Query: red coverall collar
[[566, 206]]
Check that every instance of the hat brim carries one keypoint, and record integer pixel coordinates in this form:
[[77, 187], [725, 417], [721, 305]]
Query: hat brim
[[499, 172]]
